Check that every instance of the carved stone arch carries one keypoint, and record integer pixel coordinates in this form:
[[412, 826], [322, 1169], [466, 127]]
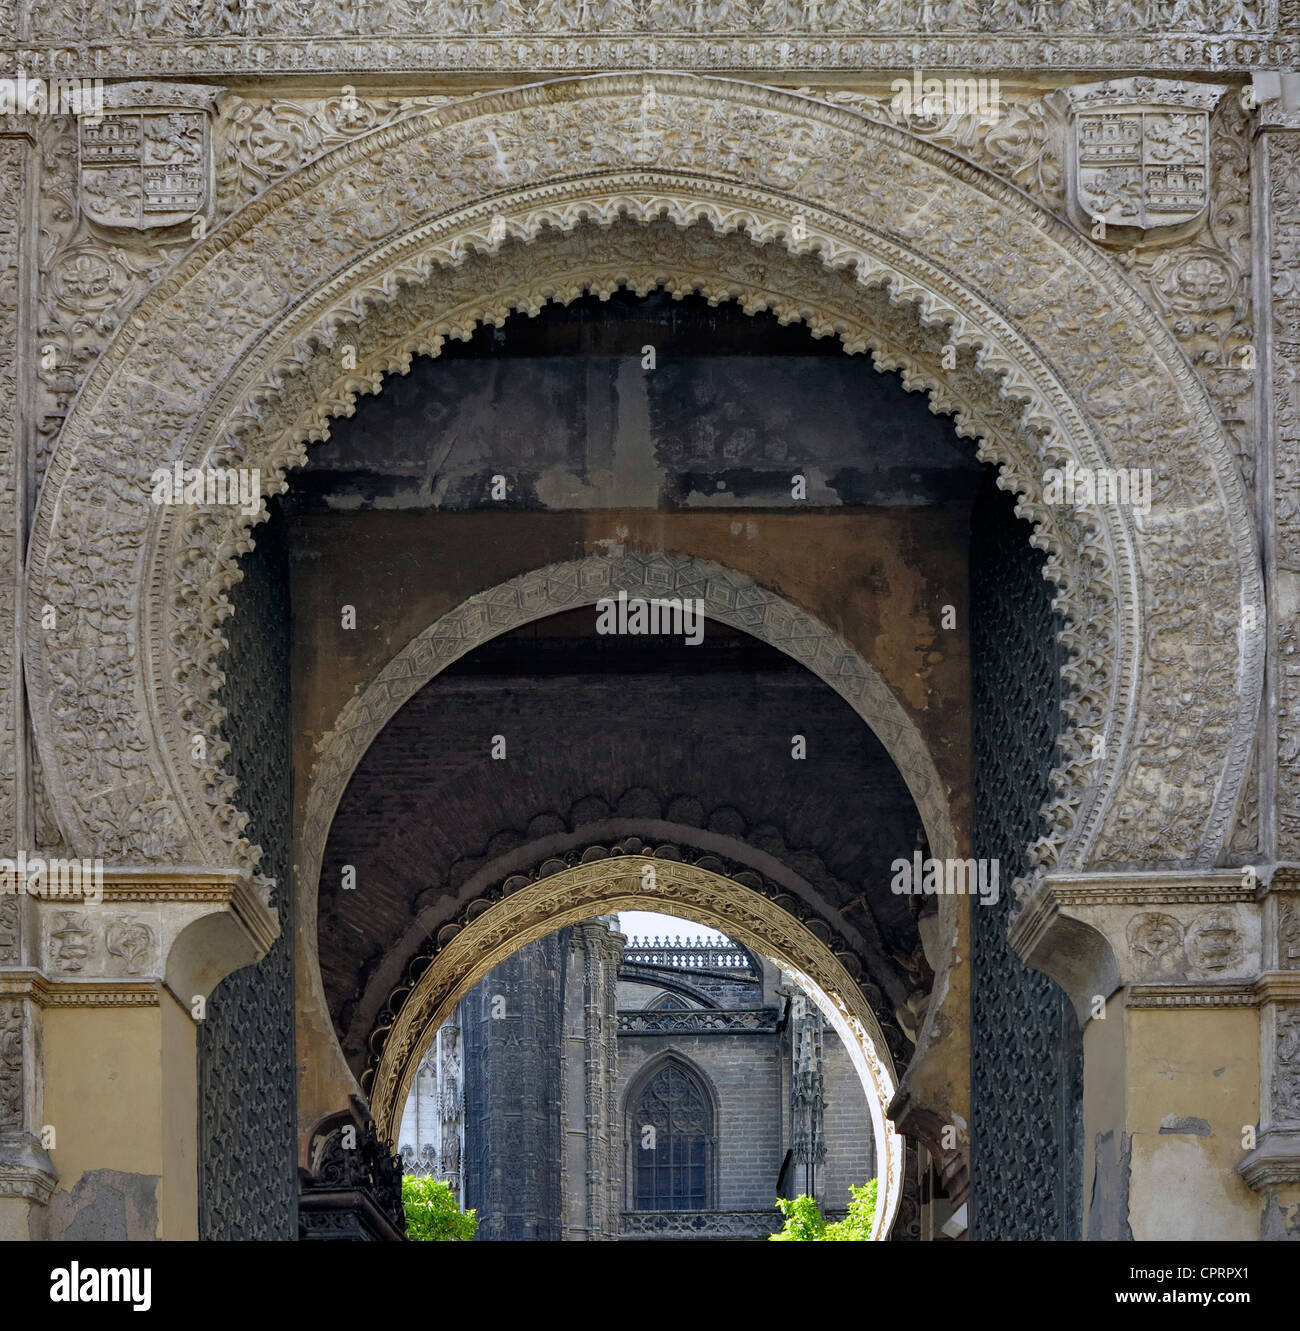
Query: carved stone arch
[[572, 894], [732, 856], [207, 368], [727, 596]]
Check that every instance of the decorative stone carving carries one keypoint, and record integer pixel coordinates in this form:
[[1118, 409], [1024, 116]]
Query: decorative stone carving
[[459, 36], [152, 824], [1139, 157], [72, 945], [185, 928], [11, 1064], [1288, 934], [353, 1190], [1201, 287], [1022, 145], [146, 163], [261, 141], [698, 1022], [25, 1169], [1281, 164], [382, 1020], [1181, 939], [1214, 942], [698, 1224], [1155, 943], [10, 922], [88, 283], [1286, 1068], [17, 265], [131, 941]]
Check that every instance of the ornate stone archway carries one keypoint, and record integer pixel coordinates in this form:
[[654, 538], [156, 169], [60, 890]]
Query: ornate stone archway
[[728, 597], [204, 371], [892, 243], [641, 882]]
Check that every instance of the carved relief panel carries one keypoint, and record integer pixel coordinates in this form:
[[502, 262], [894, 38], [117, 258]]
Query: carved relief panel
[[1139, 156]]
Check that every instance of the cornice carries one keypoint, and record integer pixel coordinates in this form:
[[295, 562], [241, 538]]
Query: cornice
[[787, 54]]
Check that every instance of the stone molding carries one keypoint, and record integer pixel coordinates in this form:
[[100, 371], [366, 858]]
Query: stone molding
[[183, 928], [708, 1021], [394, 37], [699, 1224], [1275, 1163], [1190, 996], [805, 894], [1182, 939], [1276, 170]]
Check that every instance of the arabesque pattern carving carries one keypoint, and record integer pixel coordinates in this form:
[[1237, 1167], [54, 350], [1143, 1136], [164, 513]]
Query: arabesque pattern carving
[[17, 161], [1199, 286], [286, 275], [392, 36], [1282, 157], [825, 925]]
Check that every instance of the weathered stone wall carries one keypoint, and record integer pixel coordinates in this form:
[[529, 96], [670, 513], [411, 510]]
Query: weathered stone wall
[[745, 1073], [850, 1157]]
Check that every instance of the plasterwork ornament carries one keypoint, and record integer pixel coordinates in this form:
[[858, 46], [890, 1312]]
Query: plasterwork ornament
[[1281, 157], [262, 140], [1139, 157], [145, 163], [738, 144], [258, 37], [17, 170], [1286, 1068], [89, 280], [1155, 944]]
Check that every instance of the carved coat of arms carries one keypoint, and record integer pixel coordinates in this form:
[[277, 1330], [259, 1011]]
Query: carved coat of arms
[[1140, 157], [146, 162]]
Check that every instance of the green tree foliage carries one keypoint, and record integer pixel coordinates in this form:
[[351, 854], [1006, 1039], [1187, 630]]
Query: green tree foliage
[[856, 1226], [432, 1215], [804, 1222]]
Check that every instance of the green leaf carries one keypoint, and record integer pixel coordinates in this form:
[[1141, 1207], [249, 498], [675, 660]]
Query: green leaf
[[432, 1215]]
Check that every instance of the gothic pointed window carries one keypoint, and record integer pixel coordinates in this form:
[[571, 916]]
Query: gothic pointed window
[[672, 1125]]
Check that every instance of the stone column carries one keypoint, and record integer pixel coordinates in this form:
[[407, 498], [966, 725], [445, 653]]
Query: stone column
[[451, 1108], [593, 1160], [512, 1024]]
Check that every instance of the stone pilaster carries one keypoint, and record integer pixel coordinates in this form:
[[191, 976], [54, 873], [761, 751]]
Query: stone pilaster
[[116, 980], [1273, 1168], [27, 1175], [1162, 968], [597, 952]]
